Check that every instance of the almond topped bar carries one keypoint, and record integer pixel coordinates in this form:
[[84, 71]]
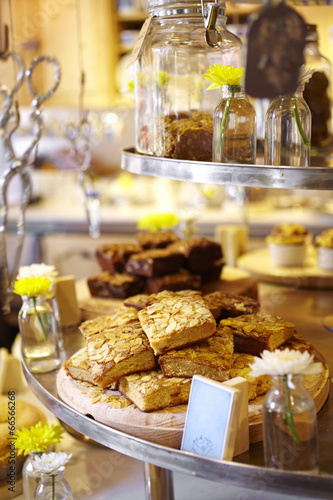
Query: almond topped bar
[[227, 305], [79, 368], [210, 358], [118, 351], [121, 316], [138, 301], [97, 306], [255, 332], [240, 367], [153, 391], [155, 297], [298, 343], [174, 321]]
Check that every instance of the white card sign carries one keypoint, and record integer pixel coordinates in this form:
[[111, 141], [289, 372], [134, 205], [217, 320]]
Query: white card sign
[[211, 419]]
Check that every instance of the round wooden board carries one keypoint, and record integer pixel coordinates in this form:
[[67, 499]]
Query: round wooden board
[[165, 427], [258, 263]]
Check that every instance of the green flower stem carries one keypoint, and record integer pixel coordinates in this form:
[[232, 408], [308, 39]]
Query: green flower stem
[[39, 319], [305, 140], [53, 486], [224, 119], [289, 416]]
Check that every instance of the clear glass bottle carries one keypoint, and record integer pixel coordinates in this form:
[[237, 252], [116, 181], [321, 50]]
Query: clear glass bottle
[[288, 131], [173, 110], [290, 426], [234, 128], [38, 327], [53, 487], [29, 479], [54, 305], [318, 90]]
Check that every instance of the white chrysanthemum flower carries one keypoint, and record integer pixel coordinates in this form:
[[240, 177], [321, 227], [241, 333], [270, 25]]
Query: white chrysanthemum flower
[[50, 463], [37, 270], [285, 362], [305, 74]]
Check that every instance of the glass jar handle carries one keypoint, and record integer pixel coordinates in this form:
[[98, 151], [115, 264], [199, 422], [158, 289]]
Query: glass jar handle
[[210, 12]]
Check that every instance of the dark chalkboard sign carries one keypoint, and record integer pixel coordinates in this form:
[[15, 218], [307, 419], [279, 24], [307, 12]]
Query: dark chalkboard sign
[[276, 42]]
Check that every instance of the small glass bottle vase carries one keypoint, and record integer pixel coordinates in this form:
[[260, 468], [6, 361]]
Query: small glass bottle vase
[[290, 426], [39, 334], [234, 128], [53, 487], [288, 131], [29, 479]]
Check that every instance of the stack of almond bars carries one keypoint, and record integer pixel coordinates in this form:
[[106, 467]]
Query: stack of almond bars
[[149, 348]]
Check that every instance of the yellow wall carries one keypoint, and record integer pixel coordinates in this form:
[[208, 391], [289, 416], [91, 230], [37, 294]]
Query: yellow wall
[[49, 27], [322, 16]]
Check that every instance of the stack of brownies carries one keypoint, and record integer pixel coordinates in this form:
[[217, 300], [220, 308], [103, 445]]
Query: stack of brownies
[[159, 261]]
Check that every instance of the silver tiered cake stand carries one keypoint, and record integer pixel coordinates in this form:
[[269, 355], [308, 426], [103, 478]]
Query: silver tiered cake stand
[[245, 470]]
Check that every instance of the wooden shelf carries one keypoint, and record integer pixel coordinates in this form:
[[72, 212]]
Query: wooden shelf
[[125, 49], [132, 16]]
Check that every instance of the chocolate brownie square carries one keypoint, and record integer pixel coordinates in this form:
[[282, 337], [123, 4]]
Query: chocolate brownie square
[[114, 285], [183, 280], [212, 273], [160, 239], [200, 253], [113, 256], [154, 262]]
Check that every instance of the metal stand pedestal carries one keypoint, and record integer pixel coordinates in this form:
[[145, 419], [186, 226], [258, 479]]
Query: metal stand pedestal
[[158, 483]]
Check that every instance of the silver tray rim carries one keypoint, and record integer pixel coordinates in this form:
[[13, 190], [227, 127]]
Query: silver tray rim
[[264, 176], [240, 474]]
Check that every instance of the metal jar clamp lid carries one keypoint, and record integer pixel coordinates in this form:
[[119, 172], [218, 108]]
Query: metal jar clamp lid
[[210, 11]]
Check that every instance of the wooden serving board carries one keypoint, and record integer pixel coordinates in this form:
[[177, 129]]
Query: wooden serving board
[[165, 427], [258, 263]]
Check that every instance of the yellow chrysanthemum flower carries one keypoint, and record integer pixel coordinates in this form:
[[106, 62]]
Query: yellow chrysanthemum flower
[[38, 438], [130, 86], [31, 287], [224, 75], [125, 182], [161, 77], [156, 222]]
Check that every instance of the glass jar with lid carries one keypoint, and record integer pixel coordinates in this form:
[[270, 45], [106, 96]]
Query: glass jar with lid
[[173, 111]]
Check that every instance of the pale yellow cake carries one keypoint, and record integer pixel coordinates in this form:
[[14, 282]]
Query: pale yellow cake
[[210, 358], [174, 321], [118, 351], [153, 391]]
